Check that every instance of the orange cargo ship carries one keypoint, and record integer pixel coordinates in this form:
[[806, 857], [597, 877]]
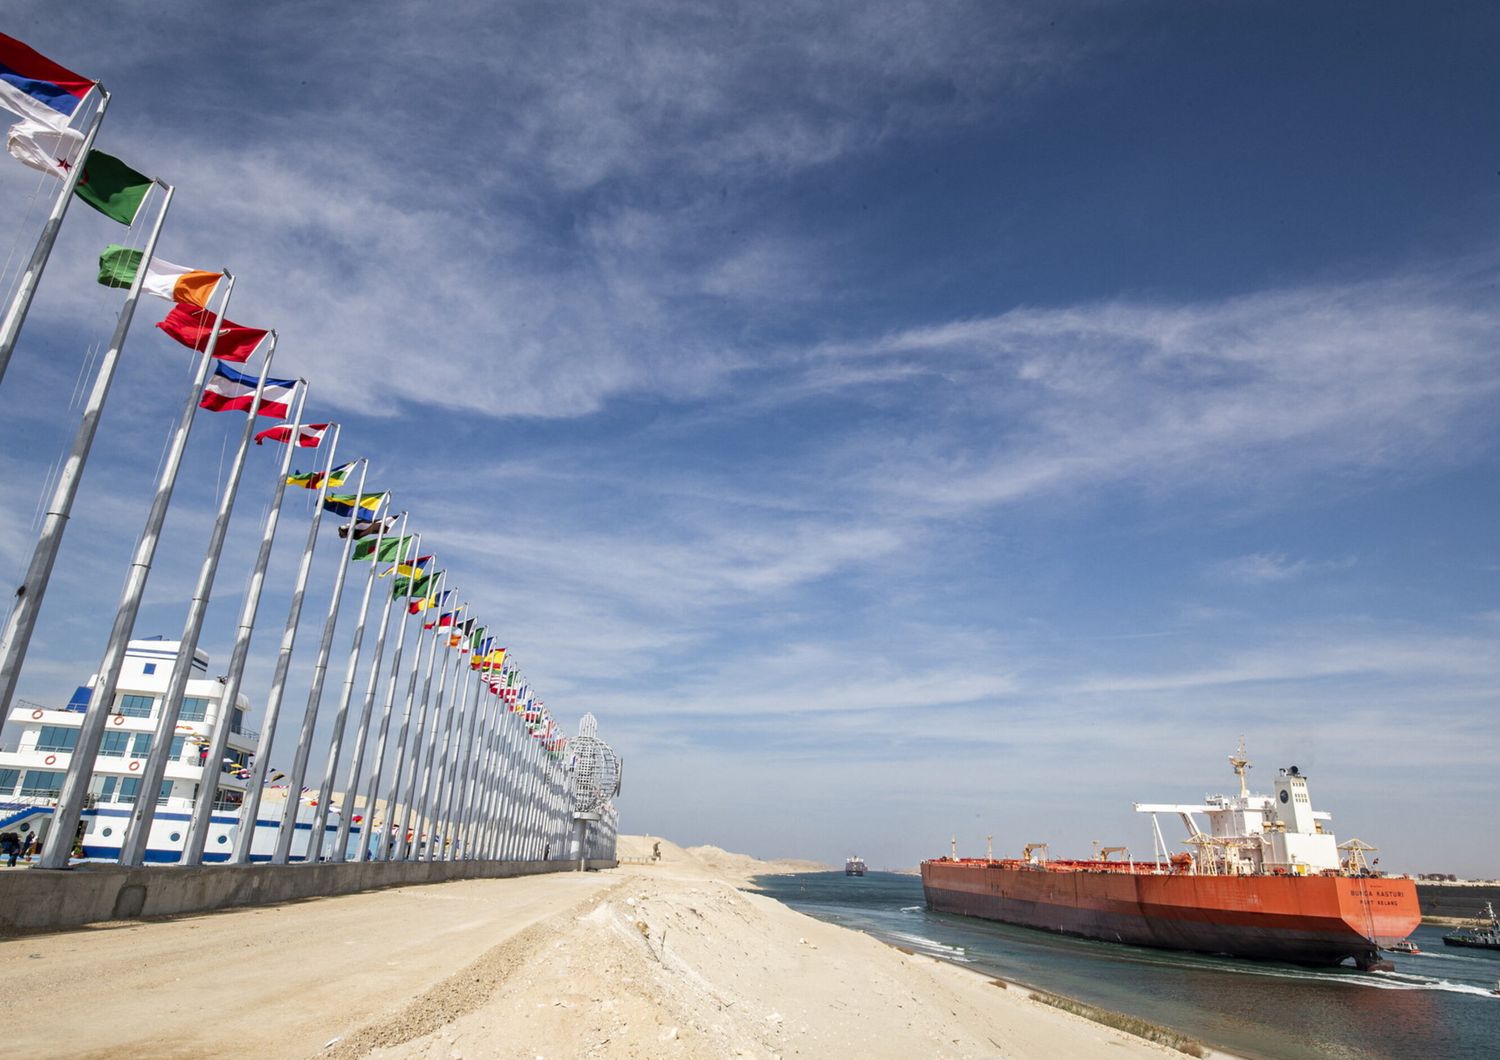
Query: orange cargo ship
[[1266, 881]]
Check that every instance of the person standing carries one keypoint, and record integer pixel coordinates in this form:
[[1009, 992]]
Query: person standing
[[10, 847]]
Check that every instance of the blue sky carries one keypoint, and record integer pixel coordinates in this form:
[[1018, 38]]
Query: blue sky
[[892, 420]]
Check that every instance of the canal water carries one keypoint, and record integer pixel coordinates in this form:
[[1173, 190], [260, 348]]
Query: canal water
[[1436, 1004]]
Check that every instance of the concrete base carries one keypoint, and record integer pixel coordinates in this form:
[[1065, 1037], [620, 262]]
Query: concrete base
[[40, 900]]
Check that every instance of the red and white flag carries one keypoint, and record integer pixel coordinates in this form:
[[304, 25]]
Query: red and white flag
[[229, 390], [309, 435]]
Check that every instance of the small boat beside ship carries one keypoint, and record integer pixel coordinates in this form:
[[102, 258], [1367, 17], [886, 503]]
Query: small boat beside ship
[[1481, 933], [1265, 880]]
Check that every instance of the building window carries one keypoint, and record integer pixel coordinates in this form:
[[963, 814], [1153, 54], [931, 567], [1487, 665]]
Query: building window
[[103, 788], [194, 708], [56, 738], [237, 720], [131, 786], [8, 778], [149, 668], [135, 706], [178, 742], [41, 785], [140, 746], [114, 744]]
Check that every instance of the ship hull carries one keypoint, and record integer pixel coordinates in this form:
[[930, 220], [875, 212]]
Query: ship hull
[[1312, 920]]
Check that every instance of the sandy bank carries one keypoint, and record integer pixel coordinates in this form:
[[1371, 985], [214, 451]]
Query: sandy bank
[[668, 959], [675, 961]]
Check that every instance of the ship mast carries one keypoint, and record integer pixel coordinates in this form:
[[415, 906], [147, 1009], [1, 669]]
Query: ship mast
[[1241, 764]]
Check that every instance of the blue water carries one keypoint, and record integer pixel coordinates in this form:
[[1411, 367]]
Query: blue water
[[1436, 1004]]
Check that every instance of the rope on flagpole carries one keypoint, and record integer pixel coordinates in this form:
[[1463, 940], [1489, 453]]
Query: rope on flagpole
[[5, 276]]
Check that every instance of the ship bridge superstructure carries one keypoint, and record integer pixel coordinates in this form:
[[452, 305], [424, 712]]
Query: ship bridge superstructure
[[1250, 834]]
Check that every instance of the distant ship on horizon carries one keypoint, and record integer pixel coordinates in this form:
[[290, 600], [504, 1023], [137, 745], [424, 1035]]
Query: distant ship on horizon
[[1265, 881], [854, 866]]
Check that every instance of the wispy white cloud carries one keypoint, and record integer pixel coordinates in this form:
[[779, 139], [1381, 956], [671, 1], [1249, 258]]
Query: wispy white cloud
[[1259, 568], [1264, 387]]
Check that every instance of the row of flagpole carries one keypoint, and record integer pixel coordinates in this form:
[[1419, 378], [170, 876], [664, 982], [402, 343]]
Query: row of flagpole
[[474, 772]]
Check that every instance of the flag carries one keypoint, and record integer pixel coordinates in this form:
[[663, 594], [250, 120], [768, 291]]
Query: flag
[[33, 85], [365, 505], [487, 656], [443, 621], [118, 266], [229, 390], [309, 435], [193, 327], [427, 602], [370, 528], [112, 187], [411, 568], [311, 480], [455, 639], [391, 549], [43, 148], [410, 586]]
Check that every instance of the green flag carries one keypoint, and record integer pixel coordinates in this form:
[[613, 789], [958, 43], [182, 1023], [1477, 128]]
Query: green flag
[[112, 187], [391, 549], [411, 586]]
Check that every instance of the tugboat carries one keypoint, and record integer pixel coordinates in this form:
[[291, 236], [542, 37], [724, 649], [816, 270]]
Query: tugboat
[[854, 866], [1483, 932], [1264, 880], [1404, 946]]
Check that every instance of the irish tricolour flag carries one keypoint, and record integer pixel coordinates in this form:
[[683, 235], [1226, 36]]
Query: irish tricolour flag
[[118, 267], [229, 390]]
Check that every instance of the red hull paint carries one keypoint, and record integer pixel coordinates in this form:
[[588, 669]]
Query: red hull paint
[[1319, 920]]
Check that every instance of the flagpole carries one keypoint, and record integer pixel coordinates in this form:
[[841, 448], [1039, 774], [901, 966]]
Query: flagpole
[[20, 304], [362, 734], [385, 721], [138, 832], [59, 843], [429, 771], [491, 827], [449, 763], [244, 840], [502, 825], [315, 692], [455, 753], [325, 791], [503, 770], [213, 764], [403, 842], [16, 639], [480, 810], [398, 851], [516, 789], [485, 824], [475, 801]]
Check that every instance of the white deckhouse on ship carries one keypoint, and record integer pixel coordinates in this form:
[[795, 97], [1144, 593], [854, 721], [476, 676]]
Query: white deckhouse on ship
[[31, 776]]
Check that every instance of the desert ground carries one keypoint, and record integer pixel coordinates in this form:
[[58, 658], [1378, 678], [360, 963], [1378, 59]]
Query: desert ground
[[671, 958]]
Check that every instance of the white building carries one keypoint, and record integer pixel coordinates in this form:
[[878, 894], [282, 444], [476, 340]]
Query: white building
[[31, 775]]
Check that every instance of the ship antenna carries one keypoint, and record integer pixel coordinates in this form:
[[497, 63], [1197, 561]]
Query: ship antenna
[[1241, 764]]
